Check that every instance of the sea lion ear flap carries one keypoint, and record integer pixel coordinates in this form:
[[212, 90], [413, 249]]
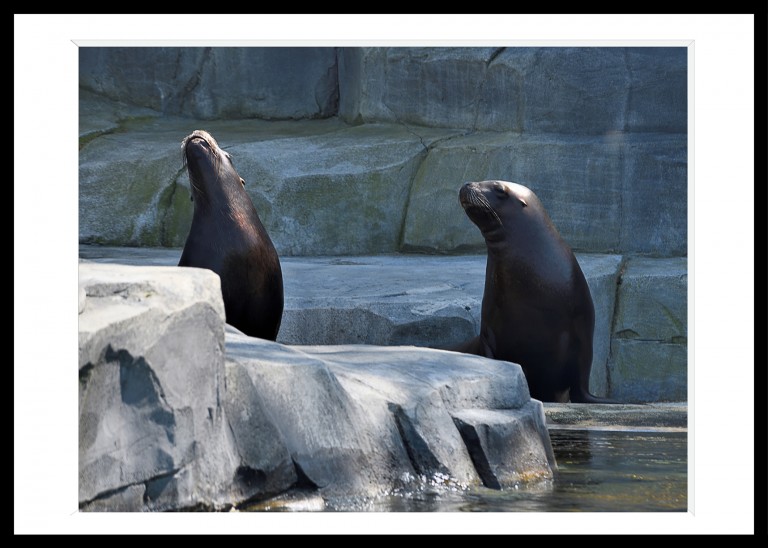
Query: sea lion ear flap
[[242, 181], [523, 202]]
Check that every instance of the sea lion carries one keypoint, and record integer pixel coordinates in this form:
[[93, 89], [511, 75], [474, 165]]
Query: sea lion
[[227, 237], [537, 309]]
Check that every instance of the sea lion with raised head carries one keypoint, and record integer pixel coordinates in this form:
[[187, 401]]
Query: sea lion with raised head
[[537, 309], [228, 237]]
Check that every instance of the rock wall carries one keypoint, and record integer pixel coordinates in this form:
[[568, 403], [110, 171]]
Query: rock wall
[[382, 138], [282, 83]]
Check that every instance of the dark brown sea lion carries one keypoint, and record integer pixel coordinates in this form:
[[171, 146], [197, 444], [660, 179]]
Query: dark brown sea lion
[[537, 309], [227, 237]]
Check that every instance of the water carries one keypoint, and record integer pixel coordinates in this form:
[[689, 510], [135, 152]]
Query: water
[[598, 471]]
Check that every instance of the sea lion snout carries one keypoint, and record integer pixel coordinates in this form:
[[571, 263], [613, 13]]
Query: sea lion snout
[[477, 207], [467, 192]]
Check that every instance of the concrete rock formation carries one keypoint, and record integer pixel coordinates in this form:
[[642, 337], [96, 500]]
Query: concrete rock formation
[[178, 412]]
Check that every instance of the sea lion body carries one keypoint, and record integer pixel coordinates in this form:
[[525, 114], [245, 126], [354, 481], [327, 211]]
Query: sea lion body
[[228, 238], [537, 309]]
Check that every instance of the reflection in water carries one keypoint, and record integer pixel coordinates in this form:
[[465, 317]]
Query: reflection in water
[[598, 471]]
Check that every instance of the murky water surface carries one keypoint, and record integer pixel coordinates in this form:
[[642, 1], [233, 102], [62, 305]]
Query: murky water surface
[[598, 471]]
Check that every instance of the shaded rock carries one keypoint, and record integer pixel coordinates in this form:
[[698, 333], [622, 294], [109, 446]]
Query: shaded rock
[[265, 465], [419, 388], [655, 197], [368, 420], [178, 412], [600, 134], [602, 274], [653, 300], [128, 192], [648, 371], [508, 447], [382, 300], [217, 82], [438, 87], [332, 439], [151, 342], [587, 90], [649, 345], [128, 499], [352, 184]]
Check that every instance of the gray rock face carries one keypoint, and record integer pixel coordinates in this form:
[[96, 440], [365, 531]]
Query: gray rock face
[[338, 193], [217, 82], [600, 134], [152, 433], [504, 443], [369, 420], [588, 90], [588, 186], [650, 332], [178, 413]]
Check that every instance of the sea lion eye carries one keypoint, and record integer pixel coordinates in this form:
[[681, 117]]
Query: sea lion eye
[[500, 191]]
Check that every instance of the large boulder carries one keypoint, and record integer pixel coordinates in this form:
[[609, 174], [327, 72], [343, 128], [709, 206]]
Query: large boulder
[[369, 420], [178, 413], [152, 431]]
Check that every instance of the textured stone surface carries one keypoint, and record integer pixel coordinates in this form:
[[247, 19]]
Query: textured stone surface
[[178, 412], [600, 134], [302, 177], [216, 82], [648, 371], [653, 300], [587, 90], [337, 193], [586, 416], [503, 443], [650, 332], [435, 301], [602, 273], [151, 343], [367, 420], [588, 185]]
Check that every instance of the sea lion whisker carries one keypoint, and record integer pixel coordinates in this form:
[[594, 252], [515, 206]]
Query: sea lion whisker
[[483, 203]]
